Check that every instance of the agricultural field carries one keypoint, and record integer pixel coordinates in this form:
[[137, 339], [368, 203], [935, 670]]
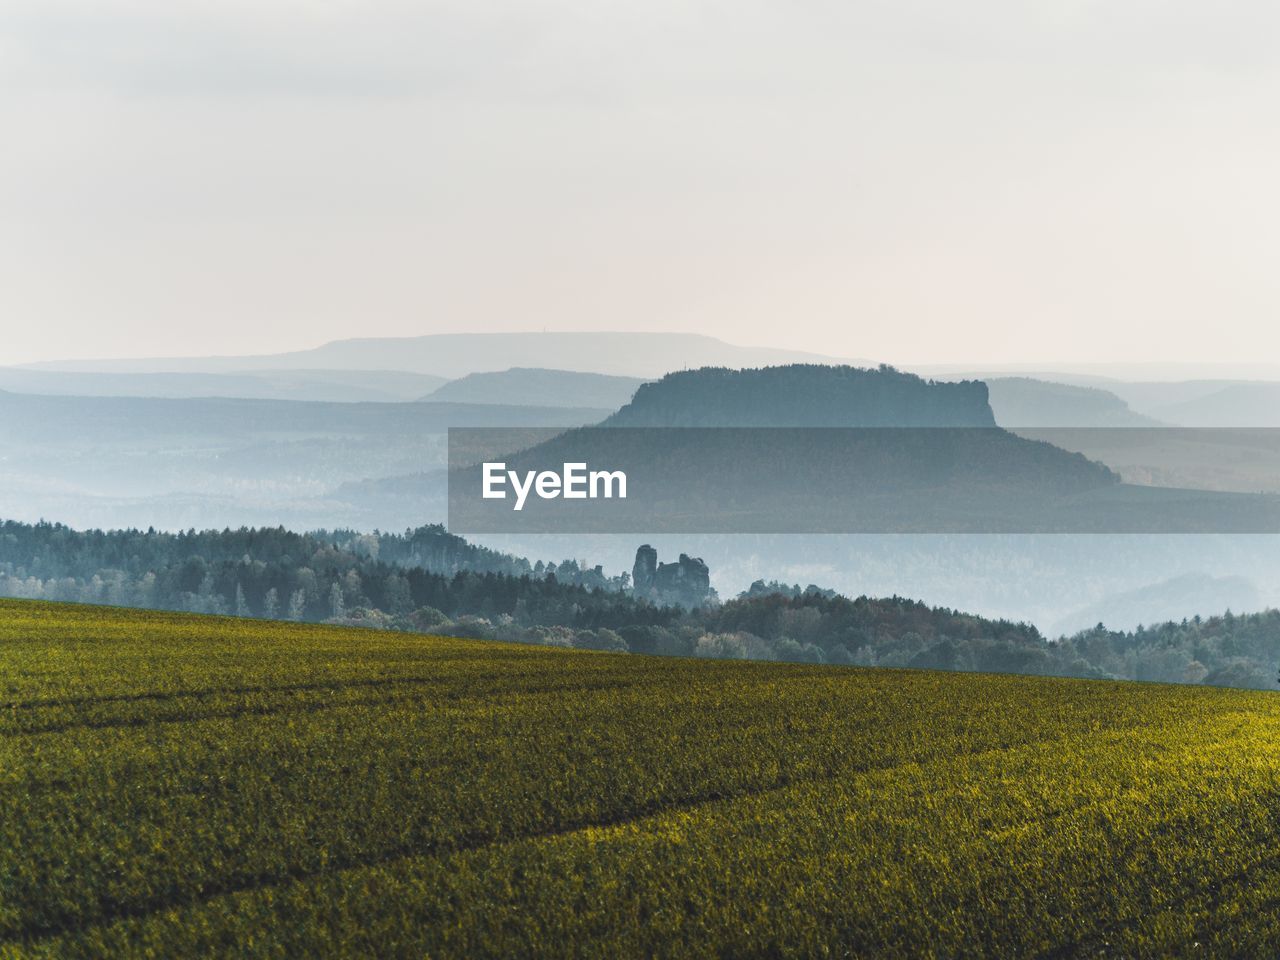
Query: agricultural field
[[175, 786]]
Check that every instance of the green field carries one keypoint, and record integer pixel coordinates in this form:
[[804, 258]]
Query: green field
[[175, 785]]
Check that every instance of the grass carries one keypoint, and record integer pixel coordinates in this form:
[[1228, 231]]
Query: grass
[[174, 785]]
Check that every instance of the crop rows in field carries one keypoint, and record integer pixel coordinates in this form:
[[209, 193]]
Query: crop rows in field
[[181, 785]]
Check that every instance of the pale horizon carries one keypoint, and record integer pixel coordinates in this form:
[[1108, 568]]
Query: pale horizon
[[1044, 183]]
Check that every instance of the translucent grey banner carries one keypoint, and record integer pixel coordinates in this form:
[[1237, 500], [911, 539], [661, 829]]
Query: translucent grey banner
[[648, 480]]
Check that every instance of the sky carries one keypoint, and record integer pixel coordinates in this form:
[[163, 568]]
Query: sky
[[912, 181]]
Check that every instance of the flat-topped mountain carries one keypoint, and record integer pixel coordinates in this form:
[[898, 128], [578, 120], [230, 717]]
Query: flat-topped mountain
[[800, 448], [805, 395], [808, 448]]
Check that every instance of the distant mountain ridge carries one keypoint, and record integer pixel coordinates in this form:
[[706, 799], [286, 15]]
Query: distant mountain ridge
[[455, 355]]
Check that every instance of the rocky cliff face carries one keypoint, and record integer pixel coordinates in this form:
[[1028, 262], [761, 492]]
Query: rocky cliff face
[[805, 395], [644, 570], [686, 583]]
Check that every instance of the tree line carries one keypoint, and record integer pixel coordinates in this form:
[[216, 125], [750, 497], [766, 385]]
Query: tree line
[[428, 580]]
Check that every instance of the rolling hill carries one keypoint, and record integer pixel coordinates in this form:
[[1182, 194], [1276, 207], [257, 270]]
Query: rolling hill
[[125, 461], [1177, 598], [52, 420], [340, 386], [210, 785], [1041, 399], [538, 387], [458, 354], [1026, 402], [1228, 405]]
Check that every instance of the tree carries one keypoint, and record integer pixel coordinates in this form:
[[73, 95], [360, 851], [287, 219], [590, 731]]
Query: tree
[[297, 605], [271, 605]]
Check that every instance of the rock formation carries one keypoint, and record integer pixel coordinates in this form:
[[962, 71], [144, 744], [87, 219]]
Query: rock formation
[[686, 583]]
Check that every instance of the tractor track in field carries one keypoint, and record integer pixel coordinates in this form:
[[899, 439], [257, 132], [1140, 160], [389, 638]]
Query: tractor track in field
[[273, 709], [31, 933]]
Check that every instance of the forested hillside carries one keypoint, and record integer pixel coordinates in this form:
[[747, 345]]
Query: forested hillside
[[428, 579], [276, 573], [804, 395]]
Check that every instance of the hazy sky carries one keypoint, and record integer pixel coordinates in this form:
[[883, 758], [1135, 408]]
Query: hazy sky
[[905, 180]]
